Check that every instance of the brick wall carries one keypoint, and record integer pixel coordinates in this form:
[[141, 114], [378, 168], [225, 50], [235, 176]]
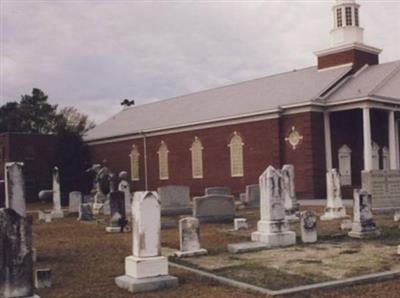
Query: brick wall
[[264, 145], [357, 57]]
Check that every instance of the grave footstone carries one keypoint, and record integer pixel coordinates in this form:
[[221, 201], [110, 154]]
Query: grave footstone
[[334, 204], [43, 278], [85, 212], [218, 190], [15, 255], [189, 232], [289, 193], [75, 199], [214, 208], [125, 187], [15, 187], [240, 224], [175, 199], [146, 269], [117, 212], [363, 224], [253, 196], [57, 211], [308, 226], [272, 229]]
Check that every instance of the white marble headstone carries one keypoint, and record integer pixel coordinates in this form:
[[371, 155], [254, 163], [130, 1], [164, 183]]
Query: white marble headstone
[[15, 187], [289, 193]]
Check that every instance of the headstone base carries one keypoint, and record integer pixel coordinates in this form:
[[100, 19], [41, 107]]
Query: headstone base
[[56, 214], [309, 237], [138, 285], [275, 239], [334, 213], [146, 267], [215, 219], [176, 211], [193, 253], [243, 247], [364, 233]]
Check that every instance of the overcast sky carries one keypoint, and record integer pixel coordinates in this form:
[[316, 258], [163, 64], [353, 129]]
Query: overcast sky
[[93, 54]]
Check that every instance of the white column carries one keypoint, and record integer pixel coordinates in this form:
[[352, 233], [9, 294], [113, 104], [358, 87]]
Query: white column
[[392, 141], [328, 142], [367, 140]]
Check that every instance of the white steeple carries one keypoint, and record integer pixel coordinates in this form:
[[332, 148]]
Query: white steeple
[[347, 28]]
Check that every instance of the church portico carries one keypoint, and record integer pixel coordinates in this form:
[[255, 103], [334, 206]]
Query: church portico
[[361, 138]]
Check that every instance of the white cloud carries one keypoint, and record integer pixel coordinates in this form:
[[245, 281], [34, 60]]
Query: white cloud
[[94, 54]]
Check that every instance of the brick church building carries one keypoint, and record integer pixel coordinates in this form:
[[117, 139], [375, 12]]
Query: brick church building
[[342, 113]]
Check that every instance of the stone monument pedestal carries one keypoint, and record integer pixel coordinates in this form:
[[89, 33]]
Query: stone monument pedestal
[[357, 231], [97, 207], [146, 274], [274, 233]]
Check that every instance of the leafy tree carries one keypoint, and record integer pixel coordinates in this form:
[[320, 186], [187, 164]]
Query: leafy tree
[[33, 114]]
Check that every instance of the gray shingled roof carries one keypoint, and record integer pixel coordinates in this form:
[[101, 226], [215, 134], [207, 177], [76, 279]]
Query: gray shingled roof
[[382, 80], [259, 95]]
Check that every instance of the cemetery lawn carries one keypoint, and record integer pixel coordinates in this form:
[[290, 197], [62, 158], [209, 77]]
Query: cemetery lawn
[[84, 260]]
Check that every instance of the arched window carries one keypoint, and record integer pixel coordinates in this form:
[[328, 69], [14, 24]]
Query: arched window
[[134, 156], [236, 150], [197, 159], [163, 161]]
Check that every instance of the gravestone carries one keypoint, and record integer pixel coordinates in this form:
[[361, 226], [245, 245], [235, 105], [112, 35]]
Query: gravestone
[[85, 212], [106, 209], [243, 198], [75, 199], [15, 187], [396, 216], [272, 229], [15, 255], [384, 187], [146, 269], [214, 208], [218, 190], [253, 196], [125, 187], [42, 278], [334, 204], [189, 232], [289, 194], [117, 212], [56, 212], [45, 216], [240, 224], [45, 195], [363, 224], [308, 227], [175, 200]]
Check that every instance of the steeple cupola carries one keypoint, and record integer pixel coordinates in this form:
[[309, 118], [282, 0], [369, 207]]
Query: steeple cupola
[[347, 39], [346, 23]]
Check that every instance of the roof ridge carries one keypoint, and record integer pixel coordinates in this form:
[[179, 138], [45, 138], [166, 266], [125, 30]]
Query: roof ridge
[[220, 87], [386, 78]]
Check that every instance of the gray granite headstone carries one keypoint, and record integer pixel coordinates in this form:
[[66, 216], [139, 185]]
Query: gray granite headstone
[[15, 254], [117, 210], [308, 227], [218, 190], [175, 199], [15, 187], [85, 212], [384, 187], [253, 195], [75, 199], [214, 208]]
